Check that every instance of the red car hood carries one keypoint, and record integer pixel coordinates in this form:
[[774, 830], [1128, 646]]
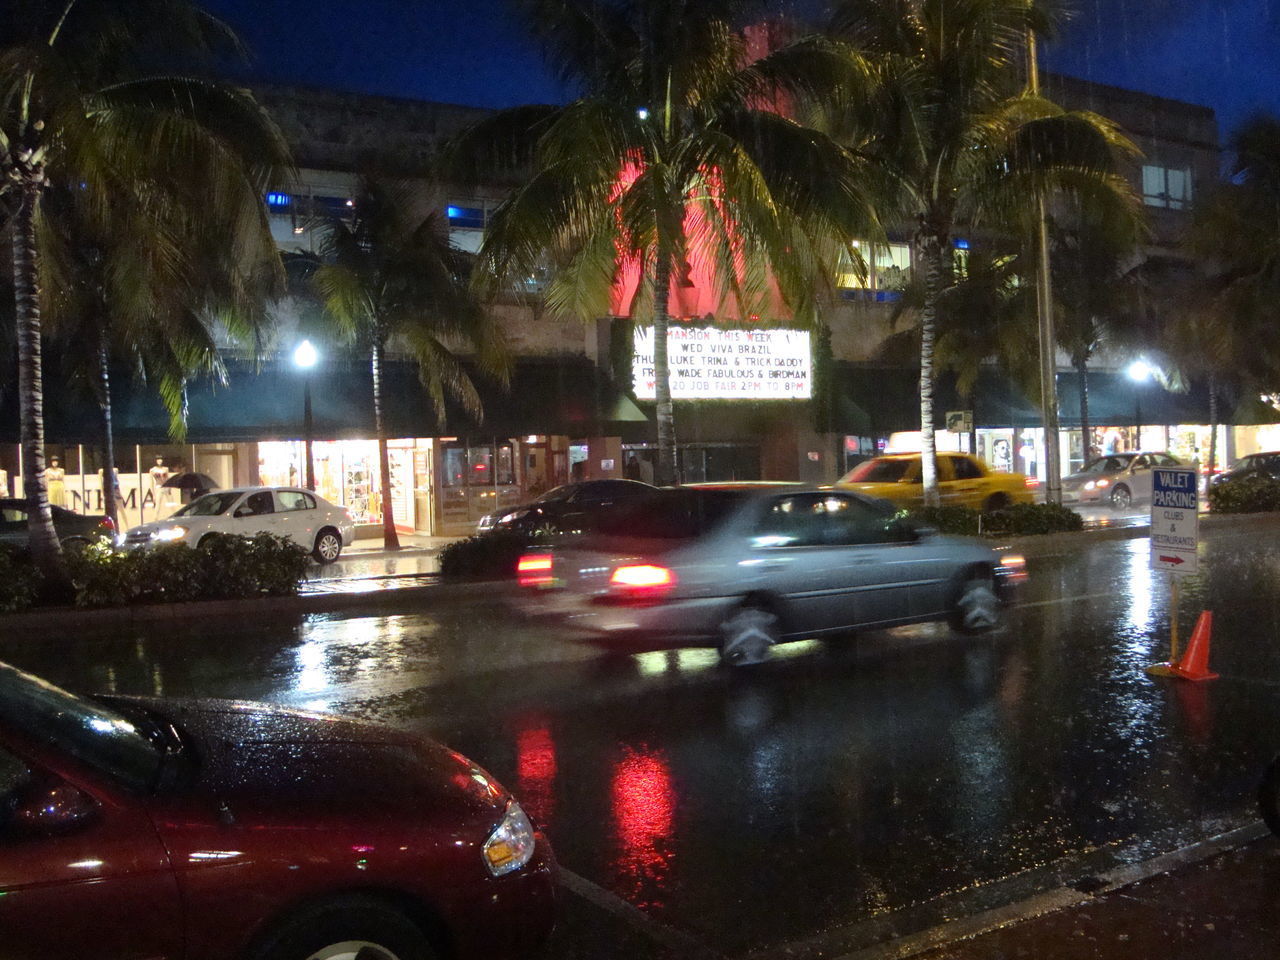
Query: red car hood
[[265, 765]]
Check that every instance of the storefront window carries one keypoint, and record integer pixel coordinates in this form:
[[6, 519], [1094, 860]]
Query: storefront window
[[455, 466], [506, 467], [480, 460]]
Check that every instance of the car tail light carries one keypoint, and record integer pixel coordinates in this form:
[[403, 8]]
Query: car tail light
[[1031, 481], [534, 569], [107, 524], [643, 579], [1013, 568]]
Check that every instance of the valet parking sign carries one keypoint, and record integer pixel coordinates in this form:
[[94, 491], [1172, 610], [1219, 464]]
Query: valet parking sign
[[1175, 520], [718, 363]]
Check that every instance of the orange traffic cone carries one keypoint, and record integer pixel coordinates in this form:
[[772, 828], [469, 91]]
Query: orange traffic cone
[[1194, 664]]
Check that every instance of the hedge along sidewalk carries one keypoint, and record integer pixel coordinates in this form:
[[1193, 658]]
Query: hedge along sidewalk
[[1061, 544], [378, 599]]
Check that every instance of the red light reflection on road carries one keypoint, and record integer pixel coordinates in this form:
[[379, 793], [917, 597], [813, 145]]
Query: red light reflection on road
[[643, 808], [536, 772]]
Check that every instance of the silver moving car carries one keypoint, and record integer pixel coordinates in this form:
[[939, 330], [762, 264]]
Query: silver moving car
[[1118, 479], [746, 568]]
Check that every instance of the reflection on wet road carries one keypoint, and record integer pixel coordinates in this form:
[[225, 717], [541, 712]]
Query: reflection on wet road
[[848, 790]]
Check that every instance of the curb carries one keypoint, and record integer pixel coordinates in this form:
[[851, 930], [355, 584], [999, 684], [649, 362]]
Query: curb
[[374, 601], [1052, 544]]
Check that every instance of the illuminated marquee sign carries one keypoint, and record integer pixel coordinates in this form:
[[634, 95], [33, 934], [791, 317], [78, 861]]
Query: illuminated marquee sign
[[713, 363]]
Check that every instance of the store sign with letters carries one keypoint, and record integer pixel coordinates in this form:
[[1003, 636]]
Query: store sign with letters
[[715, 363], [1175, 520]]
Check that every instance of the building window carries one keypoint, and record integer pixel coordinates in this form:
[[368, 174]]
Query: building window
[[888, 267], [1168, 187], [467, 222]]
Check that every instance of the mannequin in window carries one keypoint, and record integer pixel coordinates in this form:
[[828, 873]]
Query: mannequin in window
[[55, 480]]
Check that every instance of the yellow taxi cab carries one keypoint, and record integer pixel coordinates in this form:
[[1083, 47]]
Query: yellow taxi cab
[[963, 480]]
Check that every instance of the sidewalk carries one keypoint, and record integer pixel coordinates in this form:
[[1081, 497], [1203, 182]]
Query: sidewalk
[[410, 543], [1220, 907]]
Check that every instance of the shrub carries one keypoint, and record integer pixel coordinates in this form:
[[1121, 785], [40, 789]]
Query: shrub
[[222, 567], [487, 556], [958, 521], [19, 581], [1031, 519], [1246, 495], [1020, 519]]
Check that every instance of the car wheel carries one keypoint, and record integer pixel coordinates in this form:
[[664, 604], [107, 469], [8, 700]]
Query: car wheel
[[748, 635], [997, 501], [1269, 796], [328, 546], [352, 928], [978, 608], [1121, 498]]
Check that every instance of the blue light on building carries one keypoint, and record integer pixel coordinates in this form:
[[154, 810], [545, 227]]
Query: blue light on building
[[961, 243], [278, 199]]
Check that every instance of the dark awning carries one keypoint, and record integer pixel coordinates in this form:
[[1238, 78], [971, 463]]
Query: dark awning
[[561, 395]]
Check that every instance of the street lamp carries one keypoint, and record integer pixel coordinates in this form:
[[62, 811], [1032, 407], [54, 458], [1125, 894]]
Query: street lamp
[[305, 356], [1139, 372]]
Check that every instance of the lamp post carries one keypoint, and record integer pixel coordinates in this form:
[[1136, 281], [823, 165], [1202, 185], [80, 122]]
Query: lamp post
[[1139, 372], [305, 356]]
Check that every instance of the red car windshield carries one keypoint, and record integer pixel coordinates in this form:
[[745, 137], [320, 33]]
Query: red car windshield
[[108, 741]]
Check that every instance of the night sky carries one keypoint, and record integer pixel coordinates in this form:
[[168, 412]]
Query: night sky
[[1222, 53]]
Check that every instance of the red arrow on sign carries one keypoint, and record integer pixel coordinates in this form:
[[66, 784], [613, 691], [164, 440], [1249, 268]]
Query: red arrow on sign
[[1174, 560]]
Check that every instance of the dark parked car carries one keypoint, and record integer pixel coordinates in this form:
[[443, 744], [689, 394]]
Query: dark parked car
[[219, 830], [569, 508], [73, 529], [746, 567], [1254, 465]]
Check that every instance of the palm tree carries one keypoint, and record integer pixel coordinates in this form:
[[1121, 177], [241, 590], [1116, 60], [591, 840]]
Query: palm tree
[[115, 298], [87, 107], [390, 279], [676, 154], [969, 143], [1221, 321]]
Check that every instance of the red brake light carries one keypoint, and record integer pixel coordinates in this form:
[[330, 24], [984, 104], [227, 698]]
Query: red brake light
[[106, 524], [643, 576], [534, 569], [1031, 481]]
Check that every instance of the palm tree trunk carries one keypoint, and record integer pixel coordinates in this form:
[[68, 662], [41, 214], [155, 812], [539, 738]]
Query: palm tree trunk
[[110, 492], [1213, 423], [390, 539], [665, 411], [1086, 428], [43, 540], [930, 252]]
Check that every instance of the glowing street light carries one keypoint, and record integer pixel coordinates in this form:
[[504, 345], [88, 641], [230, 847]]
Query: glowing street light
[[1140, 371], [306, 356]]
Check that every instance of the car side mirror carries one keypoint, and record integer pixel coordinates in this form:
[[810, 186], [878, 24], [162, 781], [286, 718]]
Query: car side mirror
[[53, 807]]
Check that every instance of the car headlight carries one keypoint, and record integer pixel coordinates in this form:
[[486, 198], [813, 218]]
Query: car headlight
[[514, 515], [169, 533], [1013, 567], [511, 844], [1090, 485]]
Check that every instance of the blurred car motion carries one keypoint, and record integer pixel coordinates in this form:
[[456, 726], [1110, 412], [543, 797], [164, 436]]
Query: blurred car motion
[[212, 829], [747, 567], [963, 480]]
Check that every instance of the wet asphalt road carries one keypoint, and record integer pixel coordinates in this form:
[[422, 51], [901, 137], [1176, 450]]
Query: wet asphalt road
[[846, 792]]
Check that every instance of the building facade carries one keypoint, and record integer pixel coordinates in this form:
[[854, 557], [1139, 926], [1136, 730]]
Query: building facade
[[775, 404]]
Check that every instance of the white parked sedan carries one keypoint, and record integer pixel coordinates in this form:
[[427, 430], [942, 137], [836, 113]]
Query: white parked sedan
[[300, 515]]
